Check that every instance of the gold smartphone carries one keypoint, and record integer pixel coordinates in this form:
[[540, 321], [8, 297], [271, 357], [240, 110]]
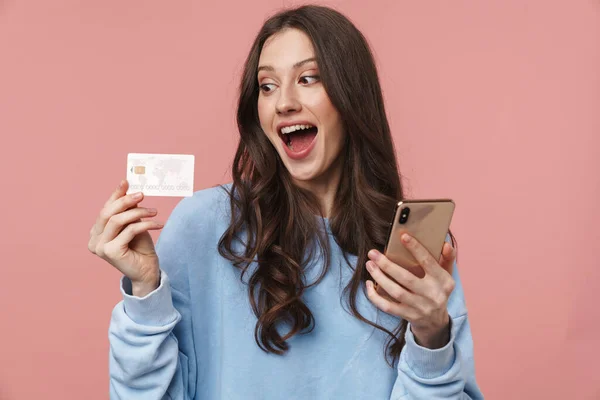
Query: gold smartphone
[[428, 221]]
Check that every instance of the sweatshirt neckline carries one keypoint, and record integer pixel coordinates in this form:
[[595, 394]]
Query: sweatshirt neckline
[[324, 225]]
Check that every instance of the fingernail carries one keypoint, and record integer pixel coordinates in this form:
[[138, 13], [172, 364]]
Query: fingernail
[[369, 285], [121, 184], [137, 195], [374, 255], [152, 210], [370, 266], [406, 238]]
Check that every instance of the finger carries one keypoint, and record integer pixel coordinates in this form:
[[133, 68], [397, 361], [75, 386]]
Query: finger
[[399, 274], [118, 192], [423, 256], [117, 222], [381, 291], [390, 307], [98, 226], [448, 257], [393, 289], [119, 245], [121, 204]]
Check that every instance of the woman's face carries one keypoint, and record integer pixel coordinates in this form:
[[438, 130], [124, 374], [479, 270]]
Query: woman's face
[[294, 110]]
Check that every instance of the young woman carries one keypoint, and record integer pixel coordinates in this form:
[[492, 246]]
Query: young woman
[[263, 288]]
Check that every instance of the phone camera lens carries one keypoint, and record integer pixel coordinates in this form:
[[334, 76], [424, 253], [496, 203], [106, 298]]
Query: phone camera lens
[[404, 215]]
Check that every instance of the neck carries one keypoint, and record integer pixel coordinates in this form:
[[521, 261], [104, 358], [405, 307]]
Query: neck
[[325, 187]]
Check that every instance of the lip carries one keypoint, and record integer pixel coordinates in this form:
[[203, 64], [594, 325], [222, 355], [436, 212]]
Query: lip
[[304, 153]]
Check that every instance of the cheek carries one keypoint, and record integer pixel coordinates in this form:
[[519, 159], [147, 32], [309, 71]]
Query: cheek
[[324, 111], [336, 137], [332, 121]]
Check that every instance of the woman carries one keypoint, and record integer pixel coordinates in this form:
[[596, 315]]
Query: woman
[[263, 288]]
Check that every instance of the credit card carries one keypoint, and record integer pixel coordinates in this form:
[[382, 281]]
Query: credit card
[[161, 174]]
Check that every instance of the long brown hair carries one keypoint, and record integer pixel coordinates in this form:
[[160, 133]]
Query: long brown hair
[[274, 220]]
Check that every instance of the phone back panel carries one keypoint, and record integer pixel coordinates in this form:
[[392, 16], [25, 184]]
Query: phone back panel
[[428, 222]]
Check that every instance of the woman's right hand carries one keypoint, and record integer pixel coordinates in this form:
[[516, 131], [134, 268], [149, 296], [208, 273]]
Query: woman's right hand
[[120, 237]]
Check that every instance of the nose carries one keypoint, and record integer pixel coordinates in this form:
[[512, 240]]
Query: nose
[[287, 101]]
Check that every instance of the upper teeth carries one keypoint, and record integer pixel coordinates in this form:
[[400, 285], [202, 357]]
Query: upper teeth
[[293, 128]]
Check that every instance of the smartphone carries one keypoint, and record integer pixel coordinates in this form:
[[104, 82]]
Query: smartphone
[[428, 221]]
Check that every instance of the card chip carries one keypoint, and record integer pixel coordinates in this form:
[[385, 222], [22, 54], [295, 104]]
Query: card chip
[[139, 169]]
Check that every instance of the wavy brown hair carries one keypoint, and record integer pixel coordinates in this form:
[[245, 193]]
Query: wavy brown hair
[[275, 221]]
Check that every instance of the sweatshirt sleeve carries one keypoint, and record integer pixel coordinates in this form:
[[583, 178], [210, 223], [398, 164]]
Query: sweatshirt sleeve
[[445, 373], [151, 354]]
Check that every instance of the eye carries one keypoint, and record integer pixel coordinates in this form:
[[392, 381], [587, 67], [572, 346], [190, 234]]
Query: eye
[[309, 79], [267, 87]]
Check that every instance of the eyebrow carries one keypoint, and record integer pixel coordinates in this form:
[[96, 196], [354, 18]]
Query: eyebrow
[[297, 65]]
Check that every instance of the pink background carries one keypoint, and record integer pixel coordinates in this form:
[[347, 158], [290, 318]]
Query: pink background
[[494, 103]]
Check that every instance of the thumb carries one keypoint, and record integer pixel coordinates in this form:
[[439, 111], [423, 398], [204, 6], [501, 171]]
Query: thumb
[[447, 258]]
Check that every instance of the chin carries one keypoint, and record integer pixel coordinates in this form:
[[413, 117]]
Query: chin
[[303, 175]]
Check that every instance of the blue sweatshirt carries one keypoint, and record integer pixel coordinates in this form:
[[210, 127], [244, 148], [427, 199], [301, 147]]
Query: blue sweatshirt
[[193, 337]]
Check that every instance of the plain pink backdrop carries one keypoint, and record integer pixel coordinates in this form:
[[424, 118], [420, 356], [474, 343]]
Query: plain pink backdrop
[[496, 104]]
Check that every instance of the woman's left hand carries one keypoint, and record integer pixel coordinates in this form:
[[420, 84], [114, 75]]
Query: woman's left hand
[[421, 301]]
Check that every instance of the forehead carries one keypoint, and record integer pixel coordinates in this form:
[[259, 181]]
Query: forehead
[[285, 48]]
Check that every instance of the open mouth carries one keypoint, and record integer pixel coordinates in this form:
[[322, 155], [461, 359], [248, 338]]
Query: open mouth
[[298, 137]]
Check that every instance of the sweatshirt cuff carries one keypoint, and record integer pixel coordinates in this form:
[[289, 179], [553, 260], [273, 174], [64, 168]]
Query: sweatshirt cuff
[[429, 363], [154, 309]]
